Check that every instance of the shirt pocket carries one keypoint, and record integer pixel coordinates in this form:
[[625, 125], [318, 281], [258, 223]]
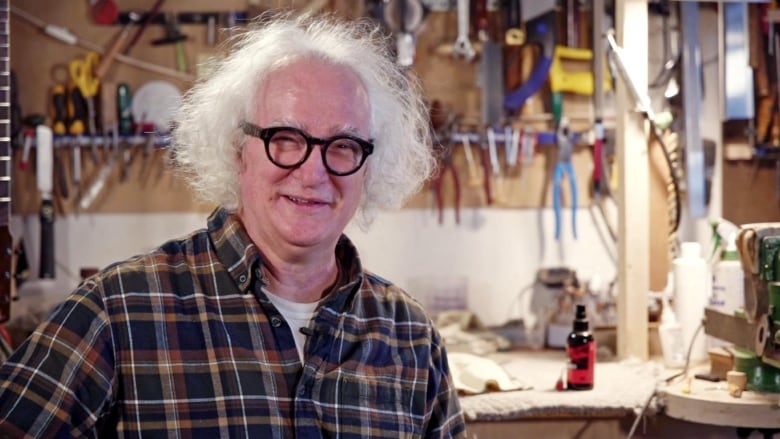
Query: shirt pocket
[[371, 392]]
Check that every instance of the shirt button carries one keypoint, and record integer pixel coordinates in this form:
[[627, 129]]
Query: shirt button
[[242, 278], [276, 322]]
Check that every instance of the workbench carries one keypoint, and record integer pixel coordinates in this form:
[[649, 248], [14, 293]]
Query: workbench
[[622, 390], [706, 402]]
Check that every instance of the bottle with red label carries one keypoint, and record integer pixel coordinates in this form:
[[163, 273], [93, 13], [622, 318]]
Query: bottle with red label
[[581, 349]]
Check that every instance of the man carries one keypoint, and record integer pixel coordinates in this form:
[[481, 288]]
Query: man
[[264, 324]]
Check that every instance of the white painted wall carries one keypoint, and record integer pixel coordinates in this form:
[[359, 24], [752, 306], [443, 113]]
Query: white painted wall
[[496, 251]]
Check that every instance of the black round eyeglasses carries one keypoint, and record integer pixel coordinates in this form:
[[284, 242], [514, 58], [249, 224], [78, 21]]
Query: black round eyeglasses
[[289, 148]]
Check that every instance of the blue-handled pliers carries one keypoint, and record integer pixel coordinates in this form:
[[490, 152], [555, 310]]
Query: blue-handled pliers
[[564, 168]]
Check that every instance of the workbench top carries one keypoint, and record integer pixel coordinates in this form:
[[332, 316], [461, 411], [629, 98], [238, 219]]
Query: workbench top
[[706, 402], [620, 388]]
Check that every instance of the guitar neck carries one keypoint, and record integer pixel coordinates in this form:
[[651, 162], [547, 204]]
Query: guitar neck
[[6, 240]]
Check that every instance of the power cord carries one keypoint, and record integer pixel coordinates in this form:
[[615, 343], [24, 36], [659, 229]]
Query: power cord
[[668, 380]]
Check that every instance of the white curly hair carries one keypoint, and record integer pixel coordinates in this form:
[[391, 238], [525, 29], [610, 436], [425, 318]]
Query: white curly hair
[[207, 135]]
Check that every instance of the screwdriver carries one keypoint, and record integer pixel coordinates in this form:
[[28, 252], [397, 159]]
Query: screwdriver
[[59, 110], [124, 109], [77, 112]]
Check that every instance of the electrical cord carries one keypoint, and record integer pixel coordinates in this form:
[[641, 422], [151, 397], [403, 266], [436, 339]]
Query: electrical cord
[[668, 380]]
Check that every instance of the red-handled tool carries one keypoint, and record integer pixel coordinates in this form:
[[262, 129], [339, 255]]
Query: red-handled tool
[[44, 179]]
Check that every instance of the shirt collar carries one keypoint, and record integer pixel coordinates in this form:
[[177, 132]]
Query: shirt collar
[[239, 255], [234, 248]]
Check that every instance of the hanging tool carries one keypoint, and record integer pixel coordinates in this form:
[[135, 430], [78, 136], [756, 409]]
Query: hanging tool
[[97, 186], [462, 47], [104, 11], [515, 33], [599, 68], [528, 146], [578, 82], [119, 41], [44, 177], [77, 121], [511, 145], [495, 167], [174, 36], [59, 109], [124, 109], [564, 169], [540, 32], [446, 166], [491, 81], [470, 163], [29, 123], [148, 17], [486, 169], [82, 73], [442, 123], [65, 36], [404, 18]]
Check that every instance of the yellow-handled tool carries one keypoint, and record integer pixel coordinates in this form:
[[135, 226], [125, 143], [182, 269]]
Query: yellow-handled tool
[[82, 72], [574, 82]]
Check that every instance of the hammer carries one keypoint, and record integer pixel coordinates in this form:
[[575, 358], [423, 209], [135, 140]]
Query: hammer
[[108, 58], [174, 36]]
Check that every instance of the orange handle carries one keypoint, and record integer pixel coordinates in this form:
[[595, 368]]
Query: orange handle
[[108, 58]]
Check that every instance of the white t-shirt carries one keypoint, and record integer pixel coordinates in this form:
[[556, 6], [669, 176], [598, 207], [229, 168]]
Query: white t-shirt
[[298, 315]]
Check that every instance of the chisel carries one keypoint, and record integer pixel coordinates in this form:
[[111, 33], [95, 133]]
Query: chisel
[[44, 176]]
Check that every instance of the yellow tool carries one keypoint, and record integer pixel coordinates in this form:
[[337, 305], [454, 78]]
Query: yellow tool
[[82, 72], [574, 82]]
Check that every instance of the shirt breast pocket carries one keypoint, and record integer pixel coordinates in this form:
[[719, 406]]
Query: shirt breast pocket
[[371, 392]]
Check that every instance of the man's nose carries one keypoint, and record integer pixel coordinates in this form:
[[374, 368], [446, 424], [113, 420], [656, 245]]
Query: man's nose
[[314, 164]]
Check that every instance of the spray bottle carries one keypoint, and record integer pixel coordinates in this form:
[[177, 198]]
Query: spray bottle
[[728, 278], [671, 336], [581, 349]]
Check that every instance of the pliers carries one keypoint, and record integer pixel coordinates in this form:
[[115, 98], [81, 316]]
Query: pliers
[[446, 166], [564, 168]]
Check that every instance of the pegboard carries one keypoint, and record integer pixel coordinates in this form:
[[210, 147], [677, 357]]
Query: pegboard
[[453, 82]]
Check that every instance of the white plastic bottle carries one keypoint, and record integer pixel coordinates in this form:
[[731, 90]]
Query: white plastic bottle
[[691, 294], [671, 337], [728, 285], [728, 280]]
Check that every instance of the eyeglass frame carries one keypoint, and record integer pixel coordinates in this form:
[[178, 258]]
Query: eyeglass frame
[[265, 134]]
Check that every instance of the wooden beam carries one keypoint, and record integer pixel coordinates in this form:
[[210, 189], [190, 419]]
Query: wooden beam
[[633, 177]]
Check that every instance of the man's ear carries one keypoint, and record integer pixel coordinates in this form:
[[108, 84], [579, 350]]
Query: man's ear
[[239, 157]]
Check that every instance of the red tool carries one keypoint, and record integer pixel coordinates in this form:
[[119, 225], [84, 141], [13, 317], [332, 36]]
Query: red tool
[[442, 124], [104, 11]]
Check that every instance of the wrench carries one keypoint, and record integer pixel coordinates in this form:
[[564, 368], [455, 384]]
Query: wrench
[[462, 46]]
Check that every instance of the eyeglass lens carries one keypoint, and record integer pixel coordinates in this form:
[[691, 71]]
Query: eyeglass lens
[[289, 147]]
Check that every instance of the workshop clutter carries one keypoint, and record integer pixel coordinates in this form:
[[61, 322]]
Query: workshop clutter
[[510, 166]]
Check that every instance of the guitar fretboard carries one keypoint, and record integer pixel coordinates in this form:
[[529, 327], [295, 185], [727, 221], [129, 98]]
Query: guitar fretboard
[[5, 116]]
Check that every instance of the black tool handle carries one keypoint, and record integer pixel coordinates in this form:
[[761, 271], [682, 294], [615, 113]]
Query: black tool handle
[[47, 239]]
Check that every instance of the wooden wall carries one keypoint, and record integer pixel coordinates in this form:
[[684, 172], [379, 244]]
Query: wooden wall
[[40, 62], [148, 185]]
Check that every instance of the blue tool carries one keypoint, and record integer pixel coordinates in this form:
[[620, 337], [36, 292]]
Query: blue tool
[[539, 31], [564, 168]]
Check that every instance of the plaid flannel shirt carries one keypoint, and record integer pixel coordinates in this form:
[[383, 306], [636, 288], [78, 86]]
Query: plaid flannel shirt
[[182, 342]]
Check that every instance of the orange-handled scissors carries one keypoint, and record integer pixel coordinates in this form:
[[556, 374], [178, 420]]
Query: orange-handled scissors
[[82, 74]]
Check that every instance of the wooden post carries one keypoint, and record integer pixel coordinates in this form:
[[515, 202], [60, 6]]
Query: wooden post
[[633, 177]]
